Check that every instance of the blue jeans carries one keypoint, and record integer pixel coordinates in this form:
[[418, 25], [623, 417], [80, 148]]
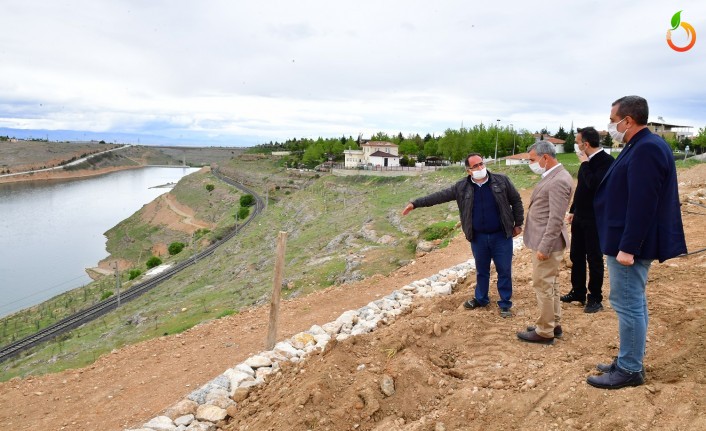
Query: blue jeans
[[629, 300], [498, 248]]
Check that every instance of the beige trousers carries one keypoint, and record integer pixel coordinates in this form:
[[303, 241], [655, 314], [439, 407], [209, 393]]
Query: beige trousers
[[545, 274]]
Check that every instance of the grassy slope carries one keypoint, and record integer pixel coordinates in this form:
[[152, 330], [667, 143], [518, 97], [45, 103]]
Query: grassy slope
[[322, 227], [324, 217]]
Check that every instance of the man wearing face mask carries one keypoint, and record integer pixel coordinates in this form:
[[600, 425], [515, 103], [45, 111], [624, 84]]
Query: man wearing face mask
[[639, 220], [546, 235], [491, 215], [584, 234]]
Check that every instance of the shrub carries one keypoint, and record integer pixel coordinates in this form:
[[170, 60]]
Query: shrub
[[134, 273], [153, 261], [210, 187], [247, 200], [243, 213], [176, 248], [107, 294]]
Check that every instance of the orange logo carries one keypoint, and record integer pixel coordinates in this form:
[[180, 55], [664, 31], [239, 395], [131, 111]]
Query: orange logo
[[690, 32]]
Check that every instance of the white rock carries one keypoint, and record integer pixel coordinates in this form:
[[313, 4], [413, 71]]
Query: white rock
[[286, 349], [316, 330], [161, 423], [258, 361], [444, 289], [184, 420], [210, 413], [349, 317], [263, 372], [244, 368], [332, 328]]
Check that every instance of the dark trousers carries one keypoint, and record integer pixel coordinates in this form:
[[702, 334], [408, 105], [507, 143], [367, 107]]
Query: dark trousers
[[585, 248], [494, 247]]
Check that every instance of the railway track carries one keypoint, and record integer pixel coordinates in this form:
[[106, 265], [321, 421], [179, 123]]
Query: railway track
[[100, 308]]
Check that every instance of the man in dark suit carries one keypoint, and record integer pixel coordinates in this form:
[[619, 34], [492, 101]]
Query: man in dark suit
[[639, 220], [584, 234], [546, 236]]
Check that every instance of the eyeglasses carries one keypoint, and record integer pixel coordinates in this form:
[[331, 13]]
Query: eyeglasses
[[476, 166]]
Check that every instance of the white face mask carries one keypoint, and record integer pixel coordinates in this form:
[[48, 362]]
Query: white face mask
[[536, 168], [613, 131], [479, 175]]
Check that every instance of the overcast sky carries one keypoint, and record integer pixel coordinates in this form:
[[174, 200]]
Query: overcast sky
[[247, 72]]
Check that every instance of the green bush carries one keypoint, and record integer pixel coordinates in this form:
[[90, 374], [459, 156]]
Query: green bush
[[176, 248], [438, 230], [243, 213], [153, 261], [247, 200], [210, 187], [107, 294], [134, 273]]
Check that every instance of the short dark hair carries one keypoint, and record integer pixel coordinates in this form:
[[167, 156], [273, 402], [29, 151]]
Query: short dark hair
[[590, 135], [634, 106], [469, 156]]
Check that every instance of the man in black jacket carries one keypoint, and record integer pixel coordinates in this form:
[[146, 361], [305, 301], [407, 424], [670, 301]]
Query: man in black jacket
[[584, 234], [491, 215]]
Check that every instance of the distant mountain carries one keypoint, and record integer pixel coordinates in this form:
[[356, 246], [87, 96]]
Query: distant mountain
[[193, 139]]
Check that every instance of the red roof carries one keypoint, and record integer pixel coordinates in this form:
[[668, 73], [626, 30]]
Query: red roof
[[519, 156], [383, 154], [378, 144]]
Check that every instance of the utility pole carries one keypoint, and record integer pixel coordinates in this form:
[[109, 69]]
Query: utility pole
[[117, 282], [495, 159], [513, 138]]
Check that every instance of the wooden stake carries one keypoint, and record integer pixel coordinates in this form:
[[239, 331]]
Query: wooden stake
[[276, 291]]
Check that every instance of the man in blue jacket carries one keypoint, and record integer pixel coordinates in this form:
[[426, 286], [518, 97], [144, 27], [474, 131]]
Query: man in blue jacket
[[491, 215], [639, 220]]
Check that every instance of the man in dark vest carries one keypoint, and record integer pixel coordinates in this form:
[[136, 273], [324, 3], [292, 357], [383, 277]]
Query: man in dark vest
[[584, 234]]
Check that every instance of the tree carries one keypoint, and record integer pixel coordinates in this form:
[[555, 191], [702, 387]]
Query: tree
[[243, 213], [607, 141], [561, 134], [176, 248], [153, 261], [569, 143], [700, 141], [247, 200]]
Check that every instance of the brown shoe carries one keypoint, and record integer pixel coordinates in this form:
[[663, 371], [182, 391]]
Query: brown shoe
[[533, 337], [557, 330]]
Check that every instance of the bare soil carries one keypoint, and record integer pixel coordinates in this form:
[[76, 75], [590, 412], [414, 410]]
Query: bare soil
[[453, 369]]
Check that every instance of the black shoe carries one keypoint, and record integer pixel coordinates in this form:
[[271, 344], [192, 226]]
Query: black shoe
[[473, 304], [605, 368], [557, 330], [505, 312], [534, 337], [615, 378], [572, 296], [593, 307]]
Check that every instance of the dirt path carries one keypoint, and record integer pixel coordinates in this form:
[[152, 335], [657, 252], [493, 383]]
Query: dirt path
[[475, 376]]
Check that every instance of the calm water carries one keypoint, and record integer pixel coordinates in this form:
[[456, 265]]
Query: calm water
[[51, 231]]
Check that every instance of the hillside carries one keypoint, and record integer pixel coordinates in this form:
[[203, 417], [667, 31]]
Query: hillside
[[473, 375]]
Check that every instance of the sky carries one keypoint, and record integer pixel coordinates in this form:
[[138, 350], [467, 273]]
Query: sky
[[236, 72]]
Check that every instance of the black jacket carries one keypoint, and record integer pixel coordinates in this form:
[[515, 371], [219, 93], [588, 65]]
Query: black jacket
[[590, 175], [508, 199]]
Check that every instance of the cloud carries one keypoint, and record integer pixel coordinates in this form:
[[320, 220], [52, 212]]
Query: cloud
[[278, 69]]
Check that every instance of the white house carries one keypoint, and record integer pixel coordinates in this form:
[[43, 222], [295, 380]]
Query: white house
[[517, 159], [375, 153]]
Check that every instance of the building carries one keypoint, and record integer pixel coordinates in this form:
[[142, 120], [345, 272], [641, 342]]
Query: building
[[517, 159], [375, 153], [558, 143], [670, 131]]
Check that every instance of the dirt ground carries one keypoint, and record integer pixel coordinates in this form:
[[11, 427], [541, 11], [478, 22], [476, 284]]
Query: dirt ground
[[473, 374]]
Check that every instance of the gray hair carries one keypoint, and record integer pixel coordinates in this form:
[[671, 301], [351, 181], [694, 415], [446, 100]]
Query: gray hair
[[542, 148]]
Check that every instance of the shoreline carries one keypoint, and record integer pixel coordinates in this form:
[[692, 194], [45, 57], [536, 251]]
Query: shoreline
[[63, 174]]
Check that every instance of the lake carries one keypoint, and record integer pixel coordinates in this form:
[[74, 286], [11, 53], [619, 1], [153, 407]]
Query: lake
[[51, 231]]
